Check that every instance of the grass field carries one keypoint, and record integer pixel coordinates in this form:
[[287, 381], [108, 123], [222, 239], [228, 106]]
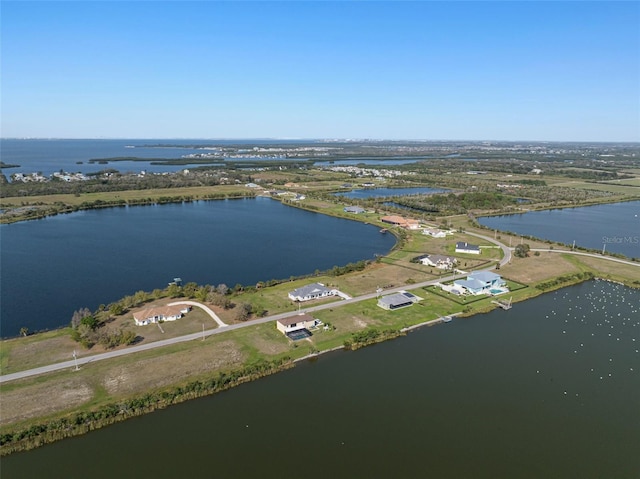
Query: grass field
[[74, 200]]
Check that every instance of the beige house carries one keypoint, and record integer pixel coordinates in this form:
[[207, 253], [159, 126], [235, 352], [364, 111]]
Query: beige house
[[296, 323], [160, 313]]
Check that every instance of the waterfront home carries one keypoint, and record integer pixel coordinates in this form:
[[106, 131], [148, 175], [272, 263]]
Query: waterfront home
[[481, 282], [396, 220], [356, 210], [399, 300], [434, 232], [437, 260], [312, 291], [161, 313], [300, 322], [464, 247]]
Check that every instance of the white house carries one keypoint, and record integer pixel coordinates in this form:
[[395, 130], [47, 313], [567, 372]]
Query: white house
[[356, 210], [437, 260], [481, 282], [434, 233], [464, 247], [312, 291], [161, 313], [296, 323]]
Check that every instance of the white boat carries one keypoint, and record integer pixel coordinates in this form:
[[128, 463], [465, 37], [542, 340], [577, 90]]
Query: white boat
[[446, 319]]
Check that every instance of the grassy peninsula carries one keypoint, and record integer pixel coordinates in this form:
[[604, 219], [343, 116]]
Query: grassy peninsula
[[48, 407]]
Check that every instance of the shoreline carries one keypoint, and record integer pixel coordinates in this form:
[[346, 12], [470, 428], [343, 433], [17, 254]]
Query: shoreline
[[85, 421]]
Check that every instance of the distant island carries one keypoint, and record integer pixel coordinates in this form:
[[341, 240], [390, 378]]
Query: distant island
[[8, 165]]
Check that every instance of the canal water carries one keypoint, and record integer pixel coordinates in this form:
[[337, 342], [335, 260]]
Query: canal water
[[54, 266], [613, 227], [385, 192], [548, 389]]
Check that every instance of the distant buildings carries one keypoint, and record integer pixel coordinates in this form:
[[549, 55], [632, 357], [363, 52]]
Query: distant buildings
[[356, 210], [395, 220]]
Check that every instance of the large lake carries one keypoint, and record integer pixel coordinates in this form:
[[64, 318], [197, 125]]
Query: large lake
[[614, 227], [50, 155], [54, 266], [385, 192], [550, 389]]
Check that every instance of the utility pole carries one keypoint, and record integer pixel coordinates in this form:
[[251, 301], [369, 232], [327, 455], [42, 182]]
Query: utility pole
[[75, 358]]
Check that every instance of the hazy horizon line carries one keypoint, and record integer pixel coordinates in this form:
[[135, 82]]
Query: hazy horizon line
[[325, 139]]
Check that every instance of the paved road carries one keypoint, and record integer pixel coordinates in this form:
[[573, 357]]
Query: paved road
[[201, 335], [506, 250]]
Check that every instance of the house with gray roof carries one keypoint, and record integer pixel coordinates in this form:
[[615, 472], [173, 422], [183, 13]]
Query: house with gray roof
[[312, 291], [481, 282], [399, 300], [464, 247]]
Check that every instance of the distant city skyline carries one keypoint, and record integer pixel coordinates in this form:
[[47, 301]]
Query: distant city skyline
[[434, 71]]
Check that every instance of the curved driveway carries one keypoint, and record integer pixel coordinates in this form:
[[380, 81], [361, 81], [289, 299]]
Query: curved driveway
[[204, 307]]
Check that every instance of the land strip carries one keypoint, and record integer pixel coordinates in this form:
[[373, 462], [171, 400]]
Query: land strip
[[224, 327]]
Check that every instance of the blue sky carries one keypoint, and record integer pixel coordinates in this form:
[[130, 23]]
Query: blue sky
[[556, 71]]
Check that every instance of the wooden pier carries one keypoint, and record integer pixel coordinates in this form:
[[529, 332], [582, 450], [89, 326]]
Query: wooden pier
[[506, 305]]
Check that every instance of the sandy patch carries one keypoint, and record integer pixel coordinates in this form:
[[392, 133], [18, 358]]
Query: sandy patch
[[43, 399], [157, 372]]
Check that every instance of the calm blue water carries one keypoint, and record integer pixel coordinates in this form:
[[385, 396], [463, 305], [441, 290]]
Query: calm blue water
[[549, 389], [384, 192], [615, 226], [52, 267], [51, 155]]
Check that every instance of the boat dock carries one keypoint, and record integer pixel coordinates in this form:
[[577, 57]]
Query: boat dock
[[506, 305]]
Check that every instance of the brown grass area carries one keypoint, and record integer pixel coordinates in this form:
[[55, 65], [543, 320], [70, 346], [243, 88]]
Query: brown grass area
[[154, 372], [266, 339], [607, 269], [43, 398], [108, 380], [380, 275], [538, 268], [32, 352]]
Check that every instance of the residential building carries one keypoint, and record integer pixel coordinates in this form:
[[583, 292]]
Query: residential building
[[160, 313], [434, 233], [399, 300], [464, 247], [481, 282], [437, 260], [296, 323], [400, 221], [353, 209], [312, 291]]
